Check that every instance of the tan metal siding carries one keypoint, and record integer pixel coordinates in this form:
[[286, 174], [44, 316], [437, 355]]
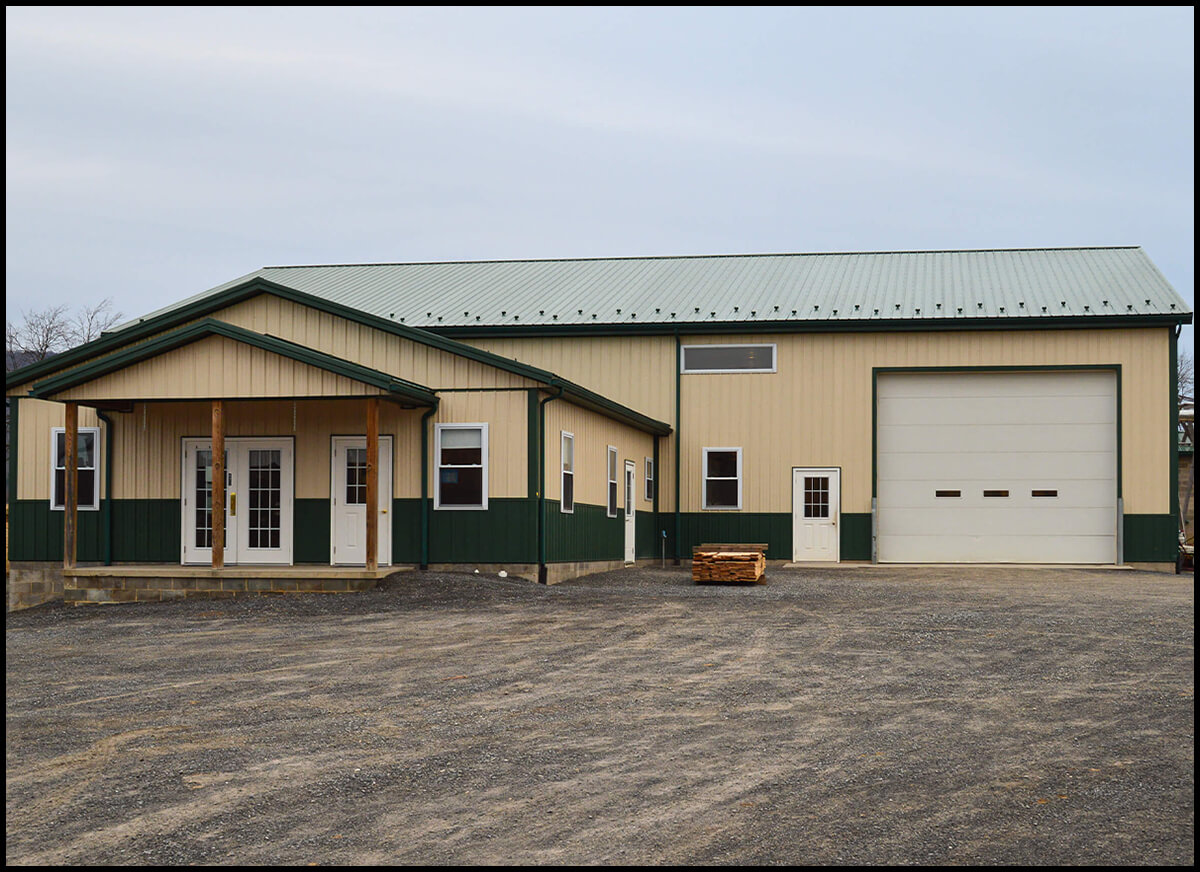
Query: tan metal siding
[[217, 367], [35, 420], [636, 371], [506, 414], [147, 447], [816, 410], [364, 345], [148, 443], [593, 434]]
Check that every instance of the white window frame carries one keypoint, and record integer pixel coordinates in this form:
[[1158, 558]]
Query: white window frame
[[683, 367], [650, 482], [95, 505], [438, 429], [564, 472], [704, 480], [612, 491]]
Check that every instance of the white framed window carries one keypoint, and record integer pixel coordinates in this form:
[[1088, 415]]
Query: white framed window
[[566, 499], [649, 479], [728, 358], [88, 450], [612, 482], [722, 478], [461, 452]]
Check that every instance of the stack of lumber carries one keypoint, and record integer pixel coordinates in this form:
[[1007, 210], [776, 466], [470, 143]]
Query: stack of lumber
[[729, 563]]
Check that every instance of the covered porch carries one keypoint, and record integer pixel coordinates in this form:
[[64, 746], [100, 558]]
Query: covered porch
[[272, 467]]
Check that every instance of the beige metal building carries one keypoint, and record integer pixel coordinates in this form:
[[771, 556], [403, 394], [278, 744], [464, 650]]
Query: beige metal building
[[558, 417]]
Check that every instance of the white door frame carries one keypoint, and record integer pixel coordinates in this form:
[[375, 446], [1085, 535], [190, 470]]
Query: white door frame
[[630, 511], [833, 553], [337, 508], [190, 553], [237, 501]]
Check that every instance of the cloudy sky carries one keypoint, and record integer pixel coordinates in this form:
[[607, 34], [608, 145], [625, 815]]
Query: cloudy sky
[[153, 153]]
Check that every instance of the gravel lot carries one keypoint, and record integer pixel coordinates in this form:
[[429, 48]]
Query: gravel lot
[[837, 716]]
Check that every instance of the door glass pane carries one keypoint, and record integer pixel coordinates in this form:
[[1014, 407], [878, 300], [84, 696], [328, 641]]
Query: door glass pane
[[628, 493], [264, 468], [356, 476], [816, 496], [202, 487]]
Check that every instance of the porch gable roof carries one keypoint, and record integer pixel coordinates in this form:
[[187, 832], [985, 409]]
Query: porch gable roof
[[110, 343], [407, 391]]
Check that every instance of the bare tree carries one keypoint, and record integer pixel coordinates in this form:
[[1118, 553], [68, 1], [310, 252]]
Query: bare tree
[[44, 332], [1187, 375], [94, 320]]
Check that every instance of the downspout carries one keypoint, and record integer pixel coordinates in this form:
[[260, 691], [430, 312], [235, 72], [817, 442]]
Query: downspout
[[541, 491], [107, 514], [1177, 549], [425, 485], [678, 458]]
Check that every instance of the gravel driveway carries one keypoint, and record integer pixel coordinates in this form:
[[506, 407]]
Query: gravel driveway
[[838, 716]]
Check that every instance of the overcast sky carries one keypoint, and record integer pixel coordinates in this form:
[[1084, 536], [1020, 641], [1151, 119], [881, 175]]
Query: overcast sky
[[153, 153]]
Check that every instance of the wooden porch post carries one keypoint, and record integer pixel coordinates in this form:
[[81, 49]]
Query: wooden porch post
[[373, 483], [218, 483], [71, 485]]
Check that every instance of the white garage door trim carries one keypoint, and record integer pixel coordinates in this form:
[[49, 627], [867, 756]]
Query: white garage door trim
[[987, 466]]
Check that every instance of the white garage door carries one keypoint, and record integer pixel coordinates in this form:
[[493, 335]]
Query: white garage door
[[1014, 467]]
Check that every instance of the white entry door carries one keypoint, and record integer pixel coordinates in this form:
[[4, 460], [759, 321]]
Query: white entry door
[[630, 511], [816, 510], [348, 501], [258, 501]]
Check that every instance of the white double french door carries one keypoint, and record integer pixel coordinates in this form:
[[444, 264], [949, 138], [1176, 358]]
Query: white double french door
[[348, 501], [258, 490]]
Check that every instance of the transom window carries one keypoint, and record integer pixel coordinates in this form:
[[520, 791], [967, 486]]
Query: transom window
[[722, 478], [462, 454], [86, 450], [567, 497], [728, 358]]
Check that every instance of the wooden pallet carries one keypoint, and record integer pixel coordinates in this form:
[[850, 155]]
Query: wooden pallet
[[729, 563]]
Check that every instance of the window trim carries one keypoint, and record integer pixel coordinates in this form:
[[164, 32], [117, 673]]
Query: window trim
[[563, 436], [95, 505], [683, 367], [648, 490], [612, 469], [704, 480], [438, 429]]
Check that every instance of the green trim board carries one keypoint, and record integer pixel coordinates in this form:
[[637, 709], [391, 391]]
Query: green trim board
[[586, 534], [1151, 538], [1173, 484], [144, 531], [253, 287], [645, 536], [310, 531], [864, 325], [202, 329], [14, 429]]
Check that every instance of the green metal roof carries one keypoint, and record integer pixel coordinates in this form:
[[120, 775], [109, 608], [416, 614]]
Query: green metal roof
[[846, 290]]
